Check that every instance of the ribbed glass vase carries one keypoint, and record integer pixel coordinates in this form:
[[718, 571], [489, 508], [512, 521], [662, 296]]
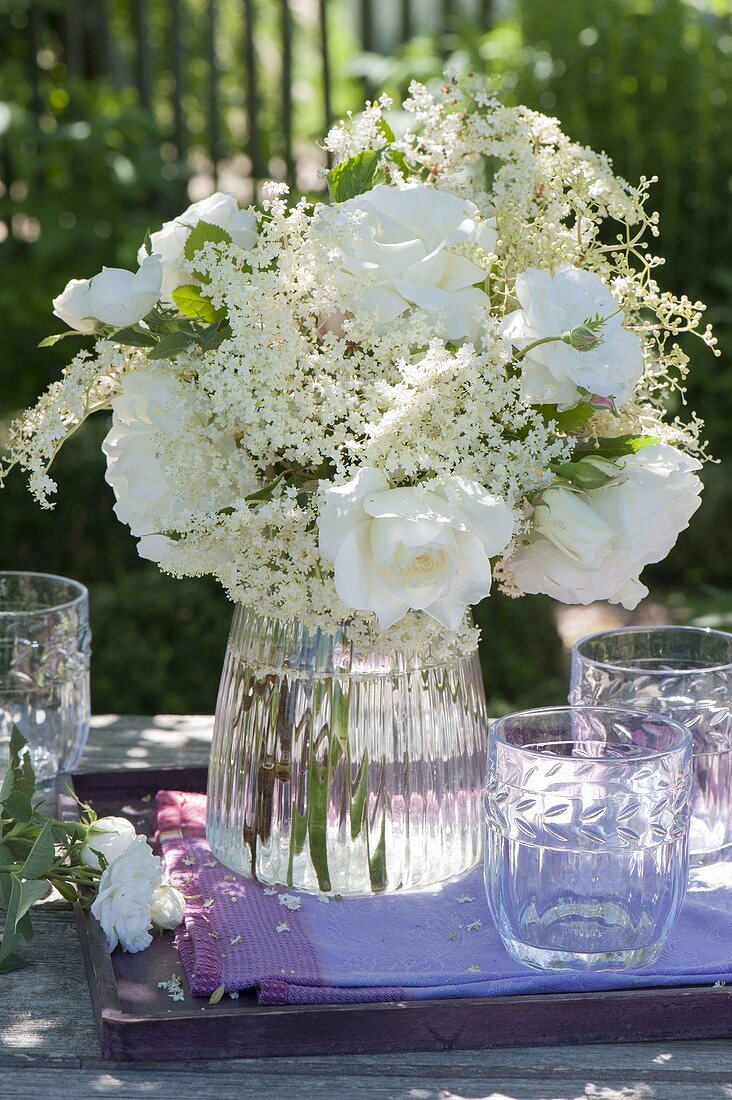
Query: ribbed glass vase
[[338, 771]]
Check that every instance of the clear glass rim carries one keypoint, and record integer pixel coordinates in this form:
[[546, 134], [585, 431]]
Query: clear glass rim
[[644, 754], [617, 666], [82, 593]]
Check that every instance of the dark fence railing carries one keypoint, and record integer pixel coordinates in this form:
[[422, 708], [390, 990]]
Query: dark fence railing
[[172, 52]]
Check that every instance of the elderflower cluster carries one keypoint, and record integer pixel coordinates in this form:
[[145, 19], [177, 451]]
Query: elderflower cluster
[[368, 411]]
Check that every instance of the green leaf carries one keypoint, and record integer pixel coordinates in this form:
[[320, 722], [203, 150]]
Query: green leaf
[[217, 995], [215, 335], [17, 744], [13, 961], [65, 889], [358, 801], [266, 491], [147, 243], [132, 338], [192, 303], [171, 345], [201, 234], [616, 446], [6, 886], [318, 780], [377, 862], [18, 806], [385, 129], [353, 176], [340, 713], [22, 896], [27, 783], [394, 155], [49, 341], [41, 855], [568, 420], [31, 891], [298, 836], [24, 927], [8, 783]]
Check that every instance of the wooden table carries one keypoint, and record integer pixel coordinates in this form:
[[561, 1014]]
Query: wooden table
[[49, 1048]]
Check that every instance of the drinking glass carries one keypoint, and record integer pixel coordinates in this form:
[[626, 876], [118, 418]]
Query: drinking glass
[[685, 673], [45, 647], [587, 816]]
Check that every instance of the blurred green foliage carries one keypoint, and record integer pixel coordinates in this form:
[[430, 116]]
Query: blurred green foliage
[[86, 169]]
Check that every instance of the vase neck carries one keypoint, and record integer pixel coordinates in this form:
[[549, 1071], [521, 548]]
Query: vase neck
[[287, 645]]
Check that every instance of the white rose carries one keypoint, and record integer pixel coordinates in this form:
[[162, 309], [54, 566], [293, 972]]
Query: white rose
[[115, 297], [168, 907], [555, 304], [111, 836], [73, 306], [168, 243], [593, 546], [152, 406], [403, 258], [125, 895], [395, 549]]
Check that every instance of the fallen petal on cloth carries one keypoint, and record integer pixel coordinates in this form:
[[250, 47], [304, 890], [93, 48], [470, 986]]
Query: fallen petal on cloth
[[418, 946]]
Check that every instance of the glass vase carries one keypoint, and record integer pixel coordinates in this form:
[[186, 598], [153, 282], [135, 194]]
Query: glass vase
[[334, 770]]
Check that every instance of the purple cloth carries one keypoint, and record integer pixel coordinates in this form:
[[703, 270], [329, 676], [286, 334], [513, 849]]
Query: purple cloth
[[300, 949]]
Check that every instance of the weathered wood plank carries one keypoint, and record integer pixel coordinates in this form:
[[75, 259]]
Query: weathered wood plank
[[166, 741], [249, 1081]]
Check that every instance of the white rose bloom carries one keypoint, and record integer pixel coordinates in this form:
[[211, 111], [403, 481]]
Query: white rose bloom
[[111, 836], [168, 243], [115, 297], [555, 304], [402, 256], [125, 896], [168, 907], [593, 546], [396, 549], [153, 404]]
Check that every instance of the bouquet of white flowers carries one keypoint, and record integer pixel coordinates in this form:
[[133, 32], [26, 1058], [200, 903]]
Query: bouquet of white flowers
[[358, 416], [368, 410]]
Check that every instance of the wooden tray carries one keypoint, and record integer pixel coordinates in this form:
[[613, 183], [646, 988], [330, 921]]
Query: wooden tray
[[138, 1022]]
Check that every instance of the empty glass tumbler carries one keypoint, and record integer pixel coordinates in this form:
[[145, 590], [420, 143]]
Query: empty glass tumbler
[[45, 647], [587, 815], [685, 673]]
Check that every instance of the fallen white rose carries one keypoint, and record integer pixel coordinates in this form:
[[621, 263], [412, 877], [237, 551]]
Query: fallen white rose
[[125, 896], [168, 907], [114, 297], [396, 549], [111, 836], [555, 304], [593, 545]]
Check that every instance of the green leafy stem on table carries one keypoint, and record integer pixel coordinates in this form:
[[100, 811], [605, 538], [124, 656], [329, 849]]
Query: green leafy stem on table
[[36, 852]]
